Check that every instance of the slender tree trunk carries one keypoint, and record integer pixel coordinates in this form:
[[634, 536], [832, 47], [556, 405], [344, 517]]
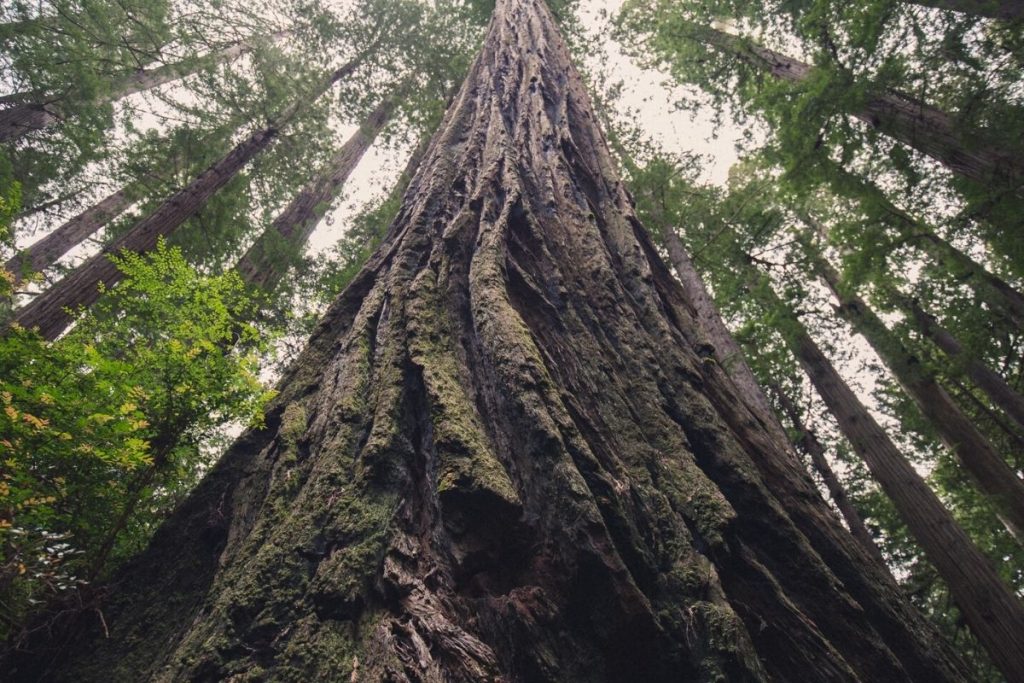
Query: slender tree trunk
[[27, 211], [501, 458], [808, 441], [53, 310], [45, 252], [995, 387], [994, 614], [260, 265], [785, 475], [28, 116], [925, 128], [961, 266], [729, 355], [993, 9], [147, 79], [967, 395], [988, 286], [976, 455]]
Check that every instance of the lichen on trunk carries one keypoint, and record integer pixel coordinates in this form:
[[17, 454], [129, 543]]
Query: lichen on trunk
[[500, 458]]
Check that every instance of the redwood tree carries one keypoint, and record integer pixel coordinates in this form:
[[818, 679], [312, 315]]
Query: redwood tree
[[502, 458], [52, 311], [974, 154], [293, 227]]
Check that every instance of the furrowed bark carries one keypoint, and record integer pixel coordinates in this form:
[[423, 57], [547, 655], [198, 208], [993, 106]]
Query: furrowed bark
[[808, 441], [992, 611], [53, 310], [501, 458], [995, 387], [28, 116], [727, 352], [993, 476], [293, 226], [916, 124], [994, 9], [47, 251], [780, 474]]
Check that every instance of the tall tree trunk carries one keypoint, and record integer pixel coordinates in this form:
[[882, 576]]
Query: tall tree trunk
[[995, 387], [52, 311], [809, 443], [727, 352], [260, 265], [992, 611], [500, 458], [779, 474], [927, 129], [993, 9], [988, 286], [977, 456], [45, 252], [27, 116], [147, 79]]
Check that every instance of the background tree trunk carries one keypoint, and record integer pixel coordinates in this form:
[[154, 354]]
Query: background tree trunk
[[27, 116], [727, 352], [994, 614], [23, 119], [986, 285], [53, 310], [47, 251], [501, 458], [810, 444], [916, 124], [990, 472], [995, 387], [293, 226], [49, 312]]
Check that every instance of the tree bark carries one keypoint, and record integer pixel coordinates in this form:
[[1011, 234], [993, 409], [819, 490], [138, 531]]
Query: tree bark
[[927, 129], [993, 476], [808, 441], [28, 116], [53, 310], [293, 226], [501, 458], [46, 252], [992, 611], [1007, 10], [995, 387], [727, 352], [780, 474]]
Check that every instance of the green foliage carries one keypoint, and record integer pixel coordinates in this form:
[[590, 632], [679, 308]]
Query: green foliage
[[70, 55], [104, 429]]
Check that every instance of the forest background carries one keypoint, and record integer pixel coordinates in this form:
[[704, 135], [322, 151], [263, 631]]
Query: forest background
[[186, 186]]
